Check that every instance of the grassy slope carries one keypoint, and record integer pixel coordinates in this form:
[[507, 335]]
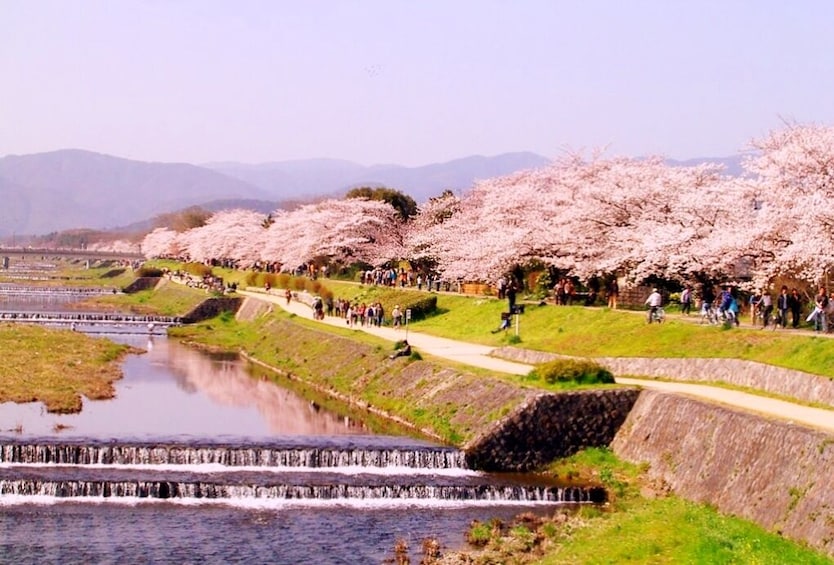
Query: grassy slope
[[56, 367], [652, 528], [600, 332], [661, 529]]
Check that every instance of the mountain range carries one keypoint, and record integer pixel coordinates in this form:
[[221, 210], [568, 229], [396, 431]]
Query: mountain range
[[68, 189], [75, 189]]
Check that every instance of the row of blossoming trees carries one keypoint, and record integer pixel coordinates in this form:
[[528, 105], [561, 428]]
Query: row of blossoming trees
[[587, 217]]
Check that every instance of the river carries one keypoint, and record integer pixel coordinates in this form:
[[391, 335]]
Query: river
[[198, 460]]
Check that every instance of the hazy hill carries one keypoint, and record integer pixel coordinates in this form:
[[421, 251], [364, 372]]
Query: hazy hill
[[71, 188], [287, 179], [62, 190], [67, 189]]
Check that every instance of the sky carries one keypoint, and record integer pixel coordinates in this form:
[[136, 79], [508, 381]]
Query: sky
[[408, 82]]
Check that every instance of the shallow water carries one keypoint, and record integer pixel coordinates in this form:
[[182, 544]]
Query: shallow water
[[175, 391], [71, 533], [175, 394]]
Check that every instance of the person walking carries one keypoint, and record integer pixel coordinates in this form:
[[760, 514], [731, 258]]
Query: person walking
[[821, 303], [796, 308], [783, 304], [613, 291], [686, 300], [766, 307], [511, 294]]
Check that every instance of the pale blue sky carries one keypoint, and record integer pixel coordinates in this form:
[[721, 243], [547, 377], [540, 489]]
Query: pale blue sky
[[408, 82]]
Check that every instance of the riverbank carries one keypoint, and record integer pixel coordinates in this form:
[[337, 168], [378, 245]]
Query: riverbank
[[793, 502], [57, 367], [267, 339]]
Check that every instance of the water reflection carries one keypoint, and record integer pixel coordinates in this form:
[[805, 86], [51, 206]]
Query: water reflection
[[174, 391]]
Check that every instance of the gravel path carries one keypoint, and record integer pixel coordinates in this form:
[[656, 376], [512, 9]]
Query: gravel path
[[480, 356]]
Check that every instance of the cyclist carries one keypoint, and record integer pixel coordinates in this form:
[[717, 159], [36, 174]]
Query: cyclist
[[654, 301]]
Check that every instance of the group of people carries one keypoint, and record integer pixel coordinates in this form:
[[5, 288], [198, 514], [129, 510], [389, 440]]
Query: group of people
[[403, 278], [765, 310]]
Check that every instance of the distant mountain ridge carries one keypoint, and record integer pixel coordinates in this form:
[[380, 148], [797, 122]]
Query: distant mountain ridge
[[316, 177], [72, 188], [68, 189]]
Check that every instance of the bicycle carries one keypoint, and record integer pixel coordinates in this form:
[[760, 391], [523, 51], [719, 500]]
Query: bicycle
[[709, 315], [656, 314]]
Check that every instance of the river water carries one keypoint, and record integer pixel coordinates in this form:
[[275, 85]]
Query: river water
[[198, 460]]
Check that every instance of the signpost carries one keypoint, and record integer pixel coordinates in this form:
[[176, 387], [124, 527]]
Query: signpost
[[407, 318]]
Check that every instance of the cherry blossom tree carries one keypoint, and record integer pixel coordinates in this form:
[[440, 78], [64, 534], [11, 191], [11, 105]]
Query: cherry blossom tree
[[116, 246], [161, 242], [588, 217], [229, 234], [344, 230], [794, 220]]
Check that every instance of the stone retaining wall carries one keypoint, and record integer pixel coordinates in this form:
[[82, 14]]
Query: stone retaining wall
[[773, 473], [550, 426], [141, 283], [211, 307], [799, 385]]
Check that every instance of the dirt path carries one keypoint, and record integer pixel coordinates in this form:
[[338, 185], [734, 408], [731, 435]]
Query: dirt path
[[480, 356]]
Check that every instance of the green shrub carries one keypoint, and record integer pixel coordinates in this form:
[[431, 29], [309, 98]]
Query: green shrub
[[423, 307], [479, 533], [197, 269], [283, 280], [252, 278], [579, 371]]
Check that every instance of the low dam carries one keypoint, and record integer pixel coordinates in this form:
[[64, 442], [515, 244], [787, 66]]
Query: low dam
[[346, 472]]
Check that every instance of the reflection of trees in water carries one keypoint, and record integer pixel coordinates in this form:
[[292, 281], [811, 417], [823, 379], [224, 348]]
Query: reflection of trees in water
[[229, 384]]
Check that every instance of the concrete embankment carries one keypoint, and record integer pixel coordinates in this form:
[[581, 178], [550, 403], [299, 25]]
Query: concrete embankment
[[788, 383], [500, 424], [770, 471], [773, 473]]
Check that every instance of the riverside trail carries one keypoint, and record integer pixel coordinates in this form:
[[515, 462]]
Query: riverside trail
[[477, 355]]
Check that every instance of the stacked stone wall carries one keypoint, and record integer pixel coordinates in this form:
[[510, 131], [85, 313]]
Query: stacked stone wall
[[211, 307], [551, 426], [775, 380], [141, 283], [773, 473]]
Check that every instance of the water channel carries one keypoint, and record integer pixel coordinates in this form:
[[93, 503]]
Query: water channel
[[199, 460]]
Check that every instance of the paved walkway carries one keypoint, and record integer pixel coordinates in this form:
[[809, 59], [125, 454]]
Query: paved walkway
[[479, 356]]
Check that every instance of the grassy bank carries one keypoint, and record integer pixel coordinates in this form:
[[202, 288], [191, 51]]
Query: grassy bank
[[168, 299], [56, 367], [601, 332], [645, 524], [435, 398]]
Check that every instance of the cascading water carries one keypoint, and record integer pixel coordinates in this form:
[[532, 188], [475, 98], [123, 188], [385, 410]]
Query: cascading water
[[196, 461], [271, 473]]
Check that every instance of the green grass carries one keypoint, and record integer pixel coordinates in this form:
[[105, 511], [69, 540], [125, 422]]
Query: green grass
[[660, 528], [672, 530], [170, 299], [601, 332], [56, 367]]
